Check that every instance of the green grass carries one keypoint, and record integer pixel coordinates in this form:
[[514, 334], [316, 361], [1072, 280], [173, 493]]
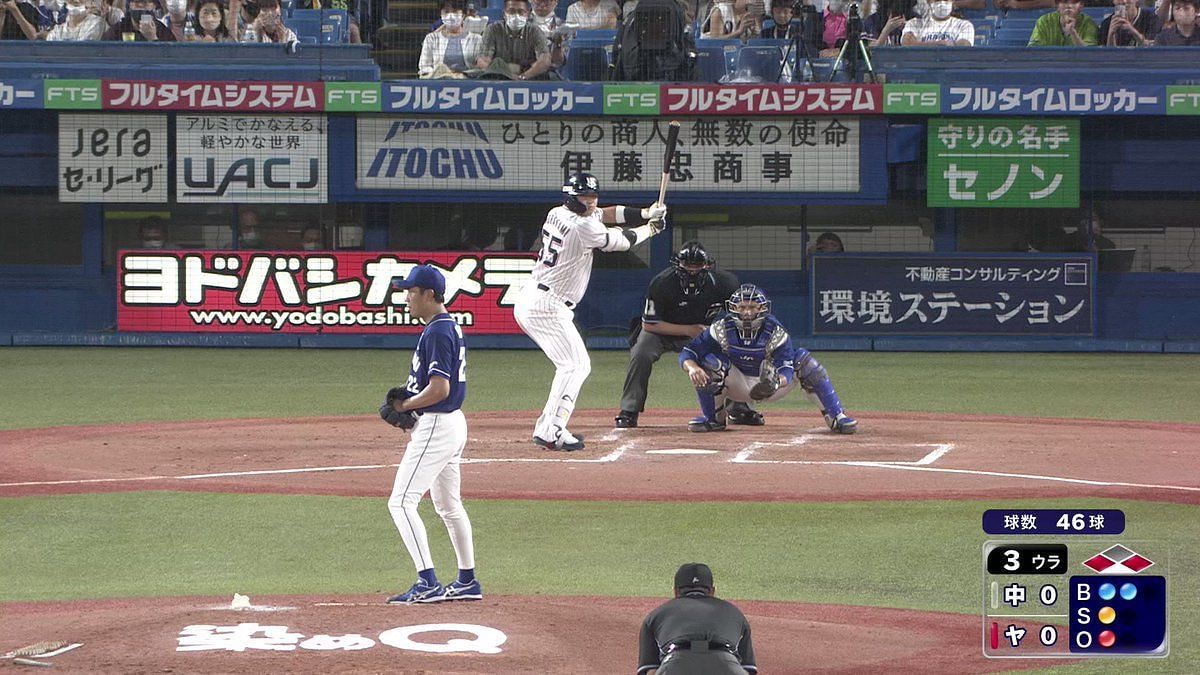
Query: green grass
[[160, 543], [920, 555], [50, 387]]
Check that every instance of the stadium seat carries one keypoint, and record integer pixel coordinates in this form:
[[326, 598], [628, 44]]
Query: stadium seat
[[607, 35], [1011, 37], [1098, 13], [335, 26], [587, 62], [766, 42], [712, 59], [760, 62], [305, 23]]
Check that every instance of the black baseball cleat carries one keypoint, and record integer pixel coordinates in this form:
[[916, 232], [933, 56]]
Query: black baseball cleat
[[746, 417], [626, 420], [704, 424], [565, 441]]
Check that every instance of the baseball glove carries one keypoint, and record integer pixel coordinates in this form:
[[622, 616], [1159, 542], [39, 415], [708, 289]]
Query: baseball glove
[[764, 390], [401, 420]]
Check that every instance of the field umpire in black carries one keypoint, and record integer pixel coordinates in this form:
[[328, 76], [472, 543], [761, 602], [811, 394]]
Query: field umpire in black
[[696, 633], [680, 303]]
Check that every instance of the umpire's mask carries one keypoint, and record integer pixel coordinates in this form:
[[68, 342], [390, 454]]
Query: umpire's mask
[[693, 267]]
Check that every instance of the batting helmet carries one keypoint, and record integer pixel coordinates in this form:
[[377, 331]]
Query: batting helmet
[[749, 308], [579, 185], [693, 266]]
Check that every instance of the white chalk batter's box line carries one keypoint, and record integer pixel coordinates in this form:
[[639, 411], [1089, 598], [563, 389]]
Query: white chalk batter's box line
[[934, 452]]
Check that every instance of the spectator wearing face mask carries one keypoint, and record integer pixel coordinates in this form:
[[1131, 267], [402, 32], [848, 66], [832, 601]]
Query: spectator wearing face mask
[[450, 49], [515, 48], [885, 27], [593, 14], [249, 236], [177, 17], [545, 18], [310, 239], [81, 25], [1129, 25], [939, 28], [140, 24], [268, 26], [211, 22], [18, 20], [1067, 27], [153, 233], [833, 28]]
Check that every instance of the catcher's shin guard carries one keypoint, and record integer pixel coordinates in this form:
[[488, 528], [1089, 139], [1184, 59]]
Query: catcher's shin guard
[[816, 383]]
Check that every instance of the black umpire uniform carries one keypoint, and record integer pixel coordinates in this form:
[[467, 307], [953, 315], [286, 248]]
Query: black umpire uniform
[[696, 633], [681, 296]]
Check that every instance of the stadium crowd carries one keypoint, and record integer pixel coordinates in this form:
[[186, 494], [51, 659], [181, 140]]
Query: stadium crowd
[[636, 39]]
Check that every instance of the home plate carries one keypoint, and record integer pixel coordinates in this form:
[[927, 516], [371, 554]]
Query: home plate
[[681, 451]]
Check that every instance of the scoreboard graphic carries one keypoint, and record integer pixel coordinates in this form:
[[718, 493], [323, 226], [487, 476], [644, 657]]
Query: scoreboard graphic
[[1084, 597]]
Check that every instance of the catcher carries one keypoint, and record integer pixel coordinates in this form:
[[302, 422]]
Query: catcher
[[429, 404], [747, 355], [681, 302]]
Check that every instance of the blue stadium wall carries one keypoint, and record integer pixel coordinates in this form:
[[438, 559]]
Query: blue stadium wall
[[1142, 311]]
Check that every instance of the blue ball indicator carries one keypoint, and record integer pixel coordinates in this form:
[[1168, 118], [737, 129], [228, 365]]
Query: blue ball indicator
[[1128, 591], [1107, 591]]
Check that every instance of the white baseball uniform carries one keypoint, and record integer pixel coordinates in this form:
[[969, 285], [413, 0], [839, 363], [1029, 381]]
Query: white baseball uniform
[[546, 307]]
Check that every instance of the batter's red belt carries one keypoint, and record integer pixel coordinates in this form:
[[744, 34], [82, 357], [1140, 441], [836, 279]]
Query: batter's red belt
[[544, 287]]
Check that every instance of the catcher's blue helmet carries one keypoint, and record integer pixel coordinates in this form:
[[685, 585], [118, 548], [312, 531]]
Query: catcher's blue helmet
[[579, 185], [749, 308]]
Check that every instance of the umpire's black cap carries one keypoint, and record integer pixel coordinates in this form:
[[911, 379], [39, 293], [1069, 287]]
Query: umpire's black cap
[[693, 577]]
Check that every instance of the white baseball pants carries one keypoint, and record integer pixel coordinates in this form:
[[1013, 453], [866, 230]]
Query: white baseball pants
[[431, 464], [546, 319]]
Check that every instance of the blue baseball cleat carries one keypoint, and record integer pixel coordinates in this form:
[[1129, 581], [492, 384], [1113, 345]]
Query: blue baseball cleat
[[457, 590], [841, 424], [420, 593], [702, 424]]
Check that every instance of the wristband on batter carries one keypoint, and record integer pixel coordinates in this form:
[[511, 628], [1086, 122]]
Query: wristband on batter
[[629, 214]]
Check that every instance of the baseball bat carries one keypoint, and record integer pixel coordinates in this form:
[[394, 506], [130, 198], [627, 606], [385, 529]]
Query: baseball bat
[[672, 141]]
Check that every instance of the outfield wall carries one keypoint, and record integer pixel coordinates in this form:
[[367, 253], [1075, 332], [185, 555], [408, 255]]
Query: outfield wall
[[844, 150]]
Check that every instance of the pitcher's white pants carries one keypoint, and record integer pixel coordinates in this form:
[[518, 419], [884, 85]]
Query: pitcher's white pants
[[431, 464], [551, 324]]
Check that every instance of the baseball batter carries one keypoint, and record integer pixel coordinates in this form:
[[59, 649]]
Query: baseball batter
[[546, 308], [430, 405], [747, 355]]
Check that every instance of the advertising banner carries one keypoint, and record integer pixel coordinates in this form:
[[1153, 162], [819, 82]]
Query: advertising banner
[[310, 292], [772, 99], [494, 98], [886, 294], [275, 159], [1003, 162], [72, 94], [1046, 100], [241, 96], [798, 154], [112, 158], [21, 93]]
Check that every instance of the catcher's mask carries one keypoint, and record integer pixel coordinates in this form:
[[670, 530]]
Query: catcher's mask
[[693, 267], [579, 185], [749, 308]]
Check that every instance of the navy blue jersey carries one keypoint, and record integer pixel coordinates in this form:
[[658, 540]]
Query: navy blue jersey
[[772, 341], [441, 351]]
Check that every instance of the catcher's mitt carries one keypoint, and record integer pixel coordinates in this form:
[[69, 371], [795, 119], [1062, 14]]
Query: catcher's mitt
[[401, 420], [764, 390]]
